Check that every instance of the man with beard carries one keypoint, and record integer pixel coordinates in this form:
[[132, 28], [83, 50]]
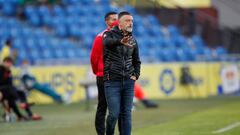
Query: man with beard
[[121, 70]]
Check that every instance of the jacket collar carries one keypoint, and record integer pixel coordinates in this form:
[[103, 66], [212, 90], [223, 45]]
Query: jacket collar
[[116, 29]]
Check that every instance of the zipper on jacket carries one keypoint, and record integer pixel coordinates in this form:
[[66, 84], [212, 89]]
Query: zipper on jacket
[[123, 62]]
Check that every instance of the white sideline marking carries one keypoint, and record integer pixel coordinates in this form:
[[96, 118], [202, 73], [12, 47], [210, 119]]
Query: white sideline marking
[[229, 127]]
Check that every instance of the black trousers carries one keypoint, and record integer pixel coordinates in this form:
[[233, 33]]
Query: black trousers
[[10, 94], [101, 108]]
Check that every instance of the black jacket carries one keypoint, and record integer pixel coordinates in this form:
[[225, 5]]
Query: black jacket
[[120, 61], [5, 76]]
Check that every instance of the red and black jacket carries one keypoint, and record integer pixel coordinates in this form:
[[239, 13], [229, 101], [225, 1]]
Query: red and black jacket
[[96, 57]]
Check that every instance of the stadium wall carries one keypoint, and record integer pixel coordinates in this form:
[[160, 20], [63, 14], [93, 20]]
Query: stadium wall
[[160, 81]]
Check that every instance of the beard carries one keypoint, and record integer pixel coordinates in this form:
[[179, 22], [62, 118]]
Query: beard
[[129, 29]]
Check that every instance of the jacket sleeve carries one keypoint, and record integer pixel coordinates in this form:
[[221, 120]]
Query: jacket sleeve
[[1, 73], [96, 53], [109, 41], [136, 61]]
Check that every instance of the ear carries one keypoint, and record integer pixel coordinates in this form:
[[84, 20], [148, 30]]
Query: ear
[[106, 22], [120, 24]]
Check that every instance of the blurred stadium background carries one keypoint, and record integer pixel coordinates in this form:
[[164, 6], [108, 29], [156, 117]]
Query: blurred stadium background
[[177, 39]]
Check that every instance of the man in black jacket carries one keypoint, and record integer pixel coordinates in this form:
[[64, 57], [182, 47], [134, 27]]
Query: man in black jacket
[[121, 70], [7, 89]]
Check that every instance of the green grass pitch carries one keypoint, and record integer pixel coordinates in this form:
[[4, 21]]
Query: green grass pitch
[[173, 117]]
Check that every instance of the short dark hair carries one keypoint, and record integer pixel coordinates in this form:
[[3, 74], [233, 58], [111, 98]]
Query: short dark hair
[[8, 59], [108, 14], [121, 14], [8, 42]]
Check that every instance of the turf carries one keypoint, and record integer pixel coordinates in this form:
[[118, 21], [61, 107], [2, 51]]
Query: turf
[[173, 117]]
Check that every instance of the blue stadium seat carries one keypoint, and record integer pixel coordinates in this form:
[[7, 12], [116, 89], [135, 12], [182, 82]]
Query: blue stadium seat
[[18, 44], [47, 20], [72, 10], [75, 31], [200, 50], [173, 30], [13, 2], [12, 22], [192, 54], [43, 10], [88, 41], [47, 54], [8, 9], [139, 20], [168, 43], [31, 44], [58, 10], [152, 43], [83, 12], [104, 2], [71, 53], [39, 33], [43, 43], [4, 33], [26, 32], [2, 2], [85, 2], [153, 20], [54, 43], [221, 50], [129, 8], [35, 54], [197, 40], [70, 2], [61, 30], [160, 43], [169, 55], [59, 20], [98, 10], [60, 53], [30, 10], [156, 31], [97, 30], [22, 54], [181, 55], [34, 20], [82, 53], [2, 22], [71, 21], [208, 54], [66, 44], [180, 42], [155, 55], [15, 32], [140, 31], [144, 51]]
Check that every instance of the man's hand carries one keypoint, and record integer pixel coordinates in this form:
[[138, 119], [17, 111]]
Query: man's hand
[[125, 41], [1, 96], [133, 78]]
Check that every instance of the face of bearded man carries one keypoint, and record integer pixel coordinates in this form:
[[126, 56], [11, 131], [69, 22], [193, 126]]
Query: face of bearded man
[[126, 23]]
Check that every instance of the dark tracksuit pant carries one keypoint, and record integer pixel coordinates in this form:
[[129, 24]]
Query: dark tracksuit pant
[[101, 108], [10, 94]]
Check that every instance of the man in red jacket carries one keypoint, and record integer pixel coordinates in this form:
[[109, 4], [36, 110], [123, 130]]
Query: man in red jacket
[[97, 67]]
